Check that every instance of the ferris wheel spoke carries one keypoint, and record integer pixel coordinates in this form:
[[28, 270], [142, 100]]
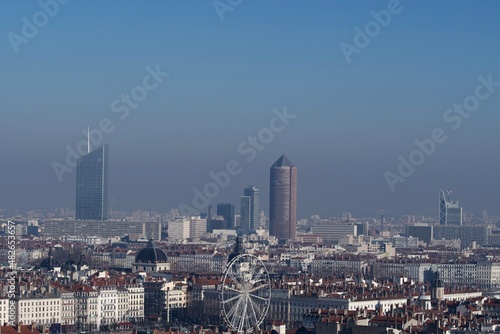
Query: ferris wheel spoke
[[234, 277], [231, 299], [256, 306], [237, 316], [235, 308], [259, 297], [258, 288], [243, 317], [253, 310], [257, 272], [233, 311], [232, 289]]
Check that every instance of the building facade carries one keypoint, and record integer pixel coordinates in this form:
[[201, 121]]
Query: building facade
[[253, 193], [82, 230], [92, 185], [245, 212], [226, 210], [179, 229], [283, 199], [450, 212]]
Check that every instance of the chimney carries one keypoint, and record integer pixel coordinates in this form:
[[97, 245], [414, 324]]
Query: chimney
[[19, 326], [33, 326]]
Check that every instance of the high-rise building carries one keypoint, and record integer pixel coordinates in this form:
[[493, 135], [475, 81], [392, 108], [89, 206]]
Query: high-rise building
[[92, 185], [450, 213], [245, 212], [198, 227], [283, 199], [179, 229], [216, 223], [253, 193], [226, 210]]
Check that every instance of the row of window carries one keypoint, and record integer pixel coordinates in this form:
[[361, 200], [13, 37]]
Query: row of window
[[40, 303], [32, 315], [39, 309]]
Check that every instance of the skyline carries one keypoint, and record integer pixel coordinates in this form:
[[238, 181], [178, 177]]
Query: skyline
[[224, 80]]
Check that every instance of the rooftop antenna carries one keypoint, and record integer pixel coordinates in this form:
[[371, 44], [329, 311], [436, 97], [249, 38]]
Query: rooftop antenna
[[88, 140], [382, 219]]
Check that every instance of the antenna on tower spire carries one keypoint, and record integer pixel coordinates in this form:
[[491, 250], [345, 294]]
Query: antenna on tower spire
[[88, 140]]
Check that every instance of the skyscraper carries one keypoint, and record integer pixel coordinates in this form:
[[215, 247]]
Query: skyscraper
[[245, 212], [283, 199], [226, 210], [92, 185], [450, 212], [253, 193]]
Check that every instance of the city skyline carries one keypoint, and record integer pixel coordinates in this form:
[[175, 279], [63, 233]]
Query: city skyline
[[353, 120], [276, 167]]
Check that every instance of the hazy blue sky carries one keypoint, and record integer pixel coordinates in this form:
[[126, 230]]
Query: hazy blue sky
[[353, 120]]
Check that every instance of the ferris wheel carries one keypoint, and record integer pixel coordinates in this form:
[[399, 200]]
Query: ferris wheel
[[246, 293]]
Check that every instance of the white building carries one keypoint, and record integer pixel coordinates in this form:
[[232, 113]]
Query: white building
[[67, 308], [87, 313], [456, 273], [488, 274], [331, 232], [198, 227], [109, 304], [135, 302], [4, 310], [40, 308], [164, 299], [329, 265], [179, 229]]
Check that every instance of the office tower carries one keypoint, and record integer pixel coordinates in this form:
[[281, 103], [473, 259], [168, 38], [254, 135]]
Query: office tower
[[209, 214], [92, 185], [216, 223], [245, 212], [362, 228], [422, 231], [226, 210], [198, 227], [253, 193], [450, 213], [283, 199]]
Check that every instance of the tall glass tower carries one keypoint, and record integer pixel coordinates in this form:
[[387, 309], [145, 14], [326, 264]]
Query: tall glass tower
[[450, 212], [226, 210], [245, 212], [283, 199], [92, 185], [253, 193]]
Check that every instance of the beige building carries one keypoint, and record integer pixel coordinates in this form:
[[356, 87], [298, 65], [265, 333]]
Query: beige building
[[44, 309]]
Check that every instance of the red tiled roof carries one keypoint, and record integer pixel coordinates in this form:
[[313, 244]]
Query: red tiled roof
[[24, 330]]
